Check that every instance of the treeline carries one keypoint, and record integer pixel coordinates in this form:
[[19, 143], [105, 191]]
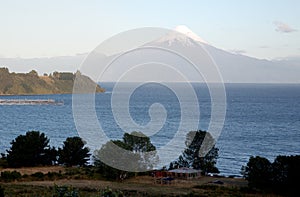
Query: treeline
[[33, 149], [282, 176]]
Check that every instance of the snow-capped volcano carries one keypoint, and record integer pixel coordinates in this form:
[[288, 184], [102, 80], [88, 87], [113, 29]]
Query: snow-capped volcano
[[235, 68], [189, 33], [181, 34]]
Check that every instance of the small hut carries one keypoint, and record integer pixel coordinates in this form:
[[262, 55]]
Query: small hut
[[184, 173]]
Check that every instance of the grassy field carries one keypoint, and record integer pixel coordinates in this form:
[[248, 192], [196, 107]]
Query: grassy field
[[135, 186]]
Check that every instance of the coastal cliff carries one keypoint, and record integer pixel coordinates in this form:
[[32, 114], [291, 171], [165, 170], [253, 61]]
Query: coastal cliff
[[30, 83]]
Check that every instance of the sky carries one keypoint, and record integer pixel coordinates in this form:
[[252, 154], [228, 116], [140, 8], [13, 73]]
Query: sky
[[268, 29]]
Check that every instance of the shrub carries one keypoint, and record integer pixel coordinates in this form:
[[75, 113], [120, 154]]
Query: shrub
[[73, 171], [65, 191], [54, 175], [110, 193], [10, 176], [1, 191], [25, 176], [38, 175]]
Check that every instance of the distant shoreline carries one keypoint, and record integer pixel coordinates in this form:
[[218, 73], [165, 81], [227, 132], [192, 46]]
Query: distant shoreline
[[30, 102], [11, 95], [199, 82]]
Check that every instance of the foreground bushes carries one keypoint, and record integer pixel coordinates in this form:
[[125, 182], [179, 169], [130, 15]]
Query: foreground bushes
[[10, 176], [281, 176]]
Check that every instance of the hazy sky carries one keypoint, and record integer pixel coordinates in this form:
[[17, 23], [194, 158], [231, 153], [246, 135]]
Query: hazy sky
[[33, 28]]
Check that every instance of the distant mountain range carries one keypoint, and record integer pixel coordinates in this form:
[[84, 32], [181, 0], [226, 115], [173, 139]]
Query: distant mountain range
[[43, 65], [234, 68], [31, 83]]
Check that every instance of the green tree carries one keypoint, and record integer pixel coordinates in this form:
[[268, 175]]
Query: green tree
[[33, 73], [281, 176], [73, 152], [199, 154], [51, 156], [138, 142], [138, 157], [258, 172], [286, 173], [66, 76], [31, 149]]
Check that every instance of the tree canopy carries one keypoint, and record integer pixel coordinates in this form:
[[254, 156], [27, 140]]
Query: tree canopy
[[258, 172], [31, 149], [137, 144], [281, 176], [194, 155], [73, 152]]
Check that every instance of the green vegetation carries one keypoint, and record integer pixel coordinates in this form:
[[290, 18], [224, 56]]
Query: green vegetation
[[107, 192], [137, 144], [8, 176], [65, 191], [281, 176], [82, 173], [126, 189], [194, 155], [31, 149], [73, 152], [258, 172], [31, 83]]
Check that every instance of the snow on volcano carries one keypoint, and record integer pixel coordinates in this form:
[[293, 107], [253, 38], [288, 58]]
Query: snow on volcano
[[182, 34]]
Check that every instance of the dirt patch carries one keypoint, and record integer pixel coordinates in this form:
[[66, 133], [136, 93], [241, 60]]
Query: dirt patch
[[142, 184], [136, 186], [32, 170], [146, 188]]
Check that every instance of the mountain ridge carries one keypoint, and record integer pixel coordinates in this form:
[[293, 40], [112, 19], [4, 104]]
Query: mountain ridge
[[234, 68]]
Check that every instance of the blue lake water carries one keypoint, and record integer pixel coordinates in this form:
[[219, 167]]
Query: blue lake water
[[261, 119]]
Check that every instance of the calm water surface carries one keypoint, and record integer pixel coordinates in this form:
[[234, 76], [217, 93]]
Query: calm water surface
[[261, 119]]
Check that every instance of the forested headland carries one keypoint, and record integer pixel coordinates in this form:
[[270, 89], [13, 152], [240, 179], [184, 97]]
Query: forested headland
[[31, 83]]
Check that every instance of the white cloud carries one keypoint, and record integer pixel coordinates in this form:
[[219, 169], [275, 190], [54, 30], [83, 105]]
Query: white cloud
[[283, 27]]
